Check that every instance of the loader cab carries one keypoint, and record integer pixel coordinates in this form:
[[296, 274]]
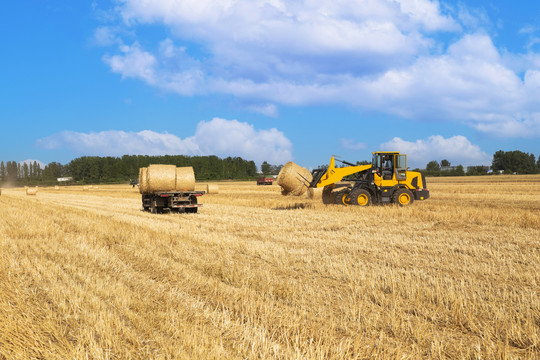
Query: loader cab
[[390, 167]]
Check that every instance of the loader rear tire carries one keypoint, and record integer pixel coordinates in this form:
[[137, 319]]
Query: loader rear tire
[[360, 197], [403, 197]]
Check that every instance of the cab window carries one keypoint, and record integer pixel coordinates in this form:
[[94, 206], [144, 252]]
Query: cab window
[[401, 167], [376, 162], [401, 162]]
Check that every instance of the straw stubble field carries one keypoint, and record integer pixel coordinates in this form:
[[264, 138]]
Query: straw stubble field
[[258, 275]]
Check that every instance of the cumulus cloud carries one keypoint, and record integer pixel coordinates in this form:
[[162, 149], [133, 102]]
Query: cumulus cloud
[[379, 55], [352, 144], [456, 149], [270, 110], [219, 137], [31, 162]]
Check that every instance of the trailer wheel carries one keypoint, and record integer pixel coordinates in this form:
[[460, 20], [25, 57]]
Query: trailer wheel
[[360, 197], [192, 210], [403, 197]]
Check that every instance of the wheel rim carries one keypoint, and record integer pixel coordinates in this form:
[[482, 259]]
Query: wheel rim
[[404, 199], [362, 199], [345, 199]]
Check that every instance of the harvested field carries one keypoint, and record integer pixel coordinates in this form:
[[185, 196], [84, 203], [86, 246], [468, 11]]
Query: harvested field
[[256, 275]]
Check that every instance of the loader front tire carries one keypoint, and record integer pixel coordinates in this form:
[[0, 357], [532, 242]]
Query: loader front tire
[[403, 197], [342, 198], [360, 197]]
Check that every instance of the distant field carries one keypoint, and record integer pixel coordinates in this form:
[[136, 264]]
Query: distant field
[[255, 275]]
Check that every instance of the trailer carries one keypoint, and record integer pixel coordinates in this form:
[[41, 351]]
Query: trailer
[[265, 180], [171, 201]]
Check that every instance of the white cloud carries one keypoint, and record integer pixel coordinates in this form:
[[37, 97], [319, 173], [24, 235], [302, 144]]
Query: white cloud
[[106, 36], [270, 110], [219, 137], [352, 144], [135, 62], [456, 149], [378, 55], [31, 162]]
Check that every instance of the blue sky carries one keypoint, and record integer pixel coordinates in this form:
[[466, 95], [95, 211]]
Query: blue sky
[[270, 80]]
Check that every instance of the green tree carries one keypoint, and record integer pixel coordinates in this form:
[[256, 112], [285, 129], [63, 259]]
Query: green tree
[[433, 166], [266, 168], [52, 171], [477, 170], [276, 169], [514, 161], [3, 171], [445, 162], [11, 172]]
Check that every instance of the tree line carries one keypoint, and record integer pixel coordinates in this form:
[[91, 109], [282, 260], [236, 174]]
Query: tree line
[[505, 162], [95, 169]]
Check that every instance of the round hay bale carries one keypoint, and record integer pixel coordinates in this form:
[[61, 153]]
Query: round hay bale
[[161, 178], [86, 188], [315, 193], [212, 189], [293, 179], [185, 179], [31, 191], [56, 187], [143, 180]]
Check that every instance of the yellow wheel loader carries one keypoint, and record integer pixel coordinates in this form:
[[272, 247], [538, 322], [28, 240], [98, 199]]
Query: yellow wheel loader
[[385, 180]]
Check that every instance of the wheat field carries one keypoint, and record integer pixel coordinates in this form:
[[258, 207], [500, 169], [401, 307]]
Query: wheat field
[[255, 275]]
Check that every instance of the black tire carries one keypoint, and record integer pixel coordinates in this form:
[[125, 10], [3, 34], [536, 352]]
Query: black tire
[[360, 197], [192, 210], [327, 196], [342, 198], [403, 197]]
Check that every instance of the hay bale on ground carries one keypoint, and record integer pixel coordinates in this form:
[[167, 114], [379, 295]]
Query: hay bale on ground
[[212, 189], [56, 187], [185, 179], [293, 179], [86, 188], [31, 191], [161, 178], [315, 193]]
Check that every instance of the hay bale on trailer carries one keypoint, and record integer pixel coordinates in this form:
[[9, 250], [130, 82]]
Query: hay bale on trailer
[[161, 178], [185, 179], [143, 180], [31, 191], [212, 189], [294, 179], [167, 188]]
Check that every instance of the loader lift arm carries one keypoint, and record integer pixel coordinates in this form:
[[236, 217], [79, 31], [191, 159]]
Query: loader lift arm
[[332, 175]]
